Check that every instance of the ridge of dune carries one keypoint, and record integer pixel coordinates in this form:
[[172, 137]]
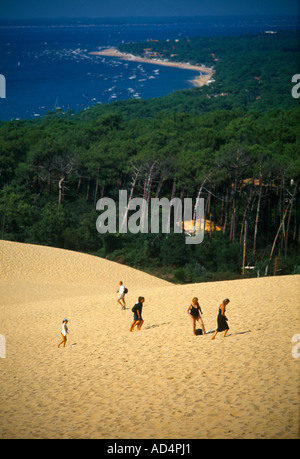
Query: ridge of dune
[[28, 262], [30, 271]]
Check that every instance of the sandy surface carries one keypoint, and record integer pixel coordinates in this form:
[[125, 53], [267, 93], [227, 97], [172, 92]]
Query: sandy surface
[[199, 81], [160, 382]]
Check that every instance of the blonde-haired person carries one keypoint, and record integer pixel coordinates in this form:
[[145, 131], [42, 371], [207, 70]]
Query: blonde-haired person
[[222, 319], [195, 311], [121, 297]]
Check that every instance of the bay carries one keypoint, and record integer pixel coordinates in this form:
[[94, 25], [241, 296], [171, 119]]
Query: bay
[[47, 64]]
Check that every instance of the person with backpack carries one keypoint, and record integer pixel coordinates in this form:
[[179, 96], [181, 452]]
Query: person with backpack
[[122, 291], [137, 314]]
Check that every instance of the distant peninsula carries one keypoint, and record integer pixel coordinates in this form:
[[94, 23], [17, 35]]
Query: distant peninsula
[[205, 73]]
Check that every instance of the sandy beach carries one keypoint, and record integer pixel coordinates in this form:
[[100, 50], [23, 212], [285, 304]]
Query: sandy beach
[[159, 382], [199, 81]]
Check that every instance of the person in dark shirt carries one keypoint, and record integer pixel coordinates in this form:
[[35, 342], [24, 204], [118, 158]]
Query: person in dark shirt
[[222, 319], [195, 311], [137, 314]]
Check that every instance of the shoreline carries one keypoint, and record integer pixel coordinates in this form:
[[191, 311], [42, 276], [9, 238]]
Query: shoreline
[[198, 81]]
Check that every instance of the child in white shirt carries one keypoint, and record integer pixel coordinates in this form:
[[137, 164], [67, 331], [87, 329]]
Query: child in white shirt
[[64, 332]]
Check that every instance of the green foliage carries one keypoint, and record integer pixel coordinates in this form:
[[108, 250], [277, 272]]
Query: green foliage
[[241, 155], [180, 274], [51, 226], [254, 70], [296, 269]]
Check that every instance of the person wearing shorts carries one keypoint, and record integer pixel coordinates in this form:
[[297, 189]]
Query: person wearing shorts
[[137, 314], [121, 298]]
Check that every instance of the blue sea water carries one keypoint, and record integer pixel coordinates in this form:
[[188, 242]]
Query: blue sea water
[[47, 63]]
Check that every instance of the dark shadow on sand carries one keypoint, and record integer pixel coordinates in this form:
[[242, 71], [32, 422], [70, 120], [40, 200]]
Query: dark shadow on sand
[[157, 325], [238, 333]]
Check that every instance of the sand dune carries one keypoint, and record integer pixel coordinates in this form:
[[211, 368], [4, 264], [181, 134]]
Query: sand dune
[[31, 272], [160, 382]]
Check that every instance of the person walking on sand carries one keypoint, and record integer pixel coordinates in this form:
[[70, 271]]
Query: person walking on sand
[[195, 311], [222, 319], [121, 299], [64, 332], [137, 314]]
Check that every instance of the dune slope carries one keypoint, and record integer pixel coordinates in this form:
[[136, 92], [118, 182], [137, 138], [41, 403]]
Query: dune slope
[[160, 382]]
